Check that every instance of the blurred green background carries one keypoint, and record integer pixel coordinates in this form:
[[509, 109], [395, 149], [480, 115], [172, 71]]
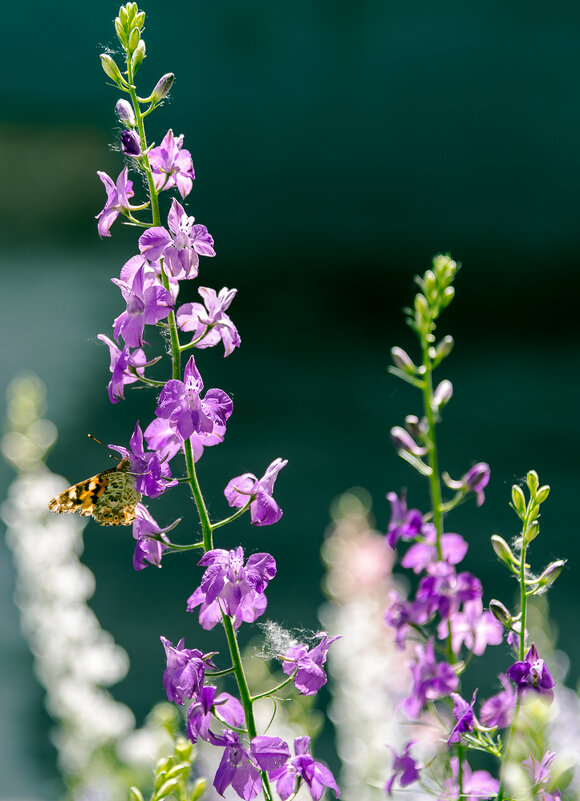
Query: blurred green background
[[338, 144]]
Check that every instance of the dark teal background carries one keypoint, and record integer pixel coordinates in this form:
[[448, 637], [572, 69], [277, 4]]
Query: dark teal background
[[337, 146]]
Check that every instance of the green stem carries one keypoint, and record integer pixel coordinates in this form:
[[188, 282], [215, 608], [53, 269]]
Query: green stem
[[245, 695], [206, 526], [275, 689], [229, 519]]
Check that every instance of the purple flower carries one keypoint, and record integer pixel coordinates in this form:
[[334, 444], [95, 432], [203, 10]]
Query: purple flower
[[402, 615], [152, 274], [199, 715], [475, 786], [163, 439], [269, 753], [532, 674], [264, 511], [475, 480], [153, 476], [230, 585], [181, 405], [130, 144], [181, 246], [185, 672], [122, 361], [404, 524], [149, 535], [147, 303], [443, 589], [431, 680], [421, 554], [539, 773], [307, 664], [404, 767], [237, 769], [302, 768], [171, 165], [117, 200], [464, 716], [498, 710], [472, 627], [210, 323]]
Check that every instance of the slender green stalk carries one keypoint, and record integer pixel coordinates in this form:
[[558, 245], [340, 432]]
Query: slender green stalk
[[245, 695], [206, 526]]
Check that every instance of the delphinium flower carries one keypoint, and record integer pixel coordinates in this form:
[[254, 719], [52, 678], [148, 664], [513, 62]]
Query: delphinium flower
[[448, 602], [185, 421]]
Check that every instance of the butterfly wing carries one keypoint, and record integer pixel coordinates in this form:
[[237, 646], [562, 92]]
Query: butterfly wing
[[109, 497]]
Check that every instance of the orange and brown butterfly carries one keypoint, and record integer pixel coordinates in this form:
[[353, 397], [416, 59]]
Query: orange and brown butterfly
[[110, 497]]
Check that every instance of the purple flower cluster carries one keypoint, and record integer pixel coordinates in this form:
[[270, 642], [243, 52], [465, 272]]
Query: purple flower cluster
[[241, 762], [188, 418]]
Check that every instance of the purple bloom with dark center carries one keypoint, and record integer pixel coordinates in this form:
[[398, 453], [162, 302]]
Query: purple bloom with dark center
[[421, 554], [185, 672], [164, 439], [231, 586], [472, 627], [210, 323], [431, 680], [180, 403], [301, 768], [402, 615], [117, 200], [130, 144], [149, 548], [405, 523], [172, 165], [532, 674], [147, 303], [264, 511], [464, 716], [443, 590], [498, 710], [199, 715], [475, 786], [152, 476], [311, 675], [237, 769], [121, 366], [181, 246], [404, 769]]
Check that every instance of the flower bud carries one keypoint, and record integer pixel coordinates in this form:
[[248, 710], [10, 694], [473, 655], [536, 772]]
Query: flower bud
[[500, 612], [403, 361], [532, 532], [135, 794], [167, 788], [138, 56], [532, 481], [198, 789], [183, 749], [503, 550], [543, 493], [120, 31], [134, 38], [447, 296], [130, 143], [111, 69], [403, 441], [519, 501], [139, 20], [162, 87], [444, 348], [551, 573], [443, 394], [125, 112]]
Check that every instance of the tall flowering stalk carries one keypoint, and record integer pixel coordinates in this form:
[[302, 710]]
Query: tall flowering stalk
[[445, 626], [188, 418]]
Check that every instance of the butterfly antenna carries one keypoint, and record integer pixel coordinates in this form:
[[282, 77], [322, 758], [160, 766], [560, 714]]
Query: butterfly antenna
[[111, 455]]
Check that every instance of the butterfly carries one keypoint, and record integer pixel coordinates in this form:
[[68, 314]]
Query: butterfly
[[109, 497]]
